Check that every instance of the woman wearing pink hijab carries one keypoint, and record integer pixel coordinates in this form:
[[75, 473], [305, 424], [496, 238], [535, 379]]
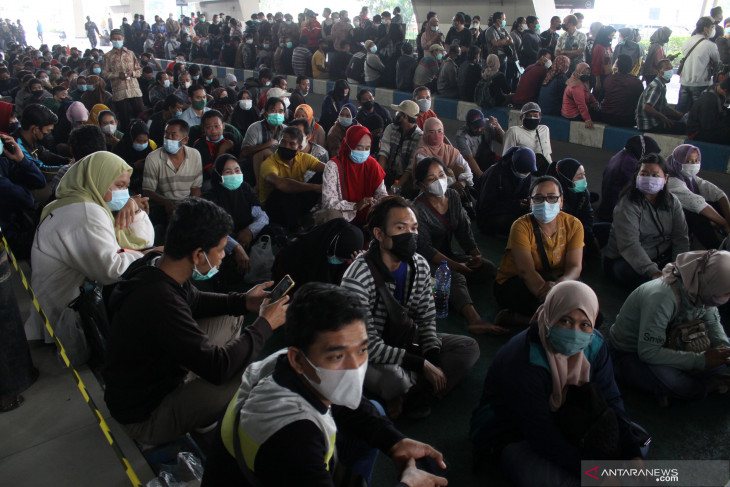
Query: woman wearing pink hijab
[[534, 381], [578, 102]]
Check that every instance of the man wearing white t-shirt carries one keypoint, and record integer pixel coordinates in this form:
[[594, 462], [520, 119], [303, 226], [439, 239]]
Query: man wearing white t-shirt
[[530, 134]]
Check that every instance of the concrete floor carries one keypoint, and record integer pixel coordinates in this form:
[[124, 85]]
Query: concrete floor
[[53, 439]]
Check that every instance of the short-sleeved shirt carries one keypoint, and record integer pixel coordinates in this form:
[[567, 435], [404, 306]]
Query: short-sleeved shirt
[[318, 59], [567, 42], [274, 165], [260, 132], [494, 34], [569, 236], [161, 177], [427, 69], [469, 144], [655, 95]]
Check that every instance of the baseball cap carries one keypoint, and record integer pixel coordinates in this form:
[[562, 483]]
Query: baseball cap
[[277, 93], [409, 107], [475, 118], [530, 107]]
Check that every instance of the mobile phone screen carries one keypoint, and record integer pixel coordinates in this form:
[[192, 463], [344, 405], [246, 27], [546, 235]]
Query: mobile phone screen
[[281, 288]]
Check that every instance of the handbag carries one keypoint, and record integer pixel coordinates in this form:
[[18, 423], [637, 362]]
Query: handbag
[[690, 336], [547, 272], [588, 423], [69, 332], [400, 330], [91, 312], [262, 261], [681, 62]]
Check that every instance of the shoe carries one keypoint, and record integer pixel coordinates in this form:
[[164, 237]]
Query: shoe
[[8, 403]]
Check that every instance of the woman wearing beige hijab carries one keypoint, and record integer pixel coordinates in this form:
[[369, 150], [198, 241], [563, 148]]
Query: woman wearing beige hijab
[[526, 386], [689, 289]]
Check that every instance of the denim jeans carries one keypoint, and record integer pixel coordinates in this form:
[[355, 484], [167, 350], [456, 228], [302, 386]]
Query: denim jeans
[[357, 455], [661, 380], [687, 96], [526, 467]]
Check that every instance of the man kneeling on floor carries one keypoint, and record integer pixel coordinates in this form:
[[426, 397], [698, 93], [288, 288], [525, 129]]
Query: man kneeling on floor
[[155, 340], [280, 427]]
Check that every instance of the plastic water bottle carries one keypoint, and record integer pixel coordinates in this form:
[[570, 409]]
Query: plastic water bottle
[[441, 290], [395, 189]]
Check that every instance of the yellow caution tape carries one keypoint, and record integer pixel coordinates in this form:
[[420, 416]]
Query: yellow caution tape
[[82, 387]]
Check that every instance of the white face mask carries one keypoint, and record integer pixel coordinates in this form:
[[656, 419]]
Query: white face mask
[[245, 104], [690, 170], [187, 84], [438, 187], [424, 105], [548, 64], [110, 129], [341, 387]]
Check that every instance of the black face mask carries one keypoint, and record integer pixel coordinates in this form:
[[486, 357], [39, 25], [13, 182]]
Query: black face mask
[[286, 154], [36, 93], [585, 77], [404, 245], [367, 105], [530, 123], [14, 126]]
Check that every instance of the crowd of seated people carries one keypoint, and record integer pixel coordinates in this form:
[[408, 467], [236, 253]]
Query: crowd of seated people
[[162, 184]]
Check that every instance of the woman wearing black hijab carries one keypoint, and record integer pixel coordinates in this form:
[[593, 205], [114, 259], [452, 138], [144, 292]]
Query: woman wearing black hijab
[[245, 112], [134, 148], [333, 103], [320, 254], [576, 198]]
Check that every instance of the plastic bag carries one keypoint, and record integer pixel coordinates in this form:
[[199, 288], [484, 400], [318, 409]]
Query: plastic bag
[[262, 260], [188, 472]]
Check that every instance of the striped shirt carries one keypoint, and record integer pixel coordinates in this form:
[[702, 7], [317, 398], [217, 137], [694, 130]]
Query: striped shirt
[[655, 95], [161, 176], [419, 302], [116, 62]]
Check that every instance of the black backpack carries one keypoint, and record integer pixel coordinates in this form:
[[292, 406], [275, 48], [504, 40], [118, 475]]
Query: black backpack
[[356, 68]]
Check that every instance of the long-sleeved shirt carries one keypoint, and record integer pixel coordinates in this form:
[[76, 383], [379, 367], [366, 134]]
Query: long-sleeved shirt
[[418, 300], [435, 236], [332, 192], [447, 84], [694, 202], [575, 102], [374, 67], [154, 340], [642, 232], [641, 325], [695, 71], [117, 62], [16, 181], [538, 140], [707, 120], [515, 400]]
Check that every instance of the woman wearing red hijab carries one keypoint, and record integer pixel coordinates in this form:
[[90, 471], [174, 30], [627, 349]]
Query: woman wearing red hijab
[[353, 180]]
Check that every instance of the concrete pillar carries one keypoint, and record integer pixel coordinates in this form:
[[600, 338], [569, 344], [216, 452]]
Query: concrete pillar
[[79, 19]]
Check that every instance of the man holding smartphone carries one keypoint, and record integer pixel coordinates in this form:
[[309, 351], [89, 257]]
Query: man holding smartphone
[[162, 328]]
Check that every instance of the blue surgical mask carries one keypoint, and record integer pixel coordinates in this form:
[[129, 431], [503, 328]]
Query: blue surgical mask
[[117, 44], [81, 87], [119, 199], [567, 341], [580, 186], [178, 114], [621, 42], [667, 75], [140, 147], [334, 260], [97, 70], [232, 181], [172, 146], [345, 121], [359, 156], [546, 212], [198, 276], [214, 141]]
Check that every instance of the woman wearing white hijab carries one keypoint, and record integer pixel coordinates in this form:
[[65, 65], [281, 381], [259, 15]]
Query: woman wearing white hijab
[[700, 281], [526, 385]]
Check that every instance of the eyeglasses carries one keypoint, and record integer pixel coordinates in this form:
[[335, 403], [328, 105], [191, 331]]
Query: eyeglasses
[[541, 199]]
